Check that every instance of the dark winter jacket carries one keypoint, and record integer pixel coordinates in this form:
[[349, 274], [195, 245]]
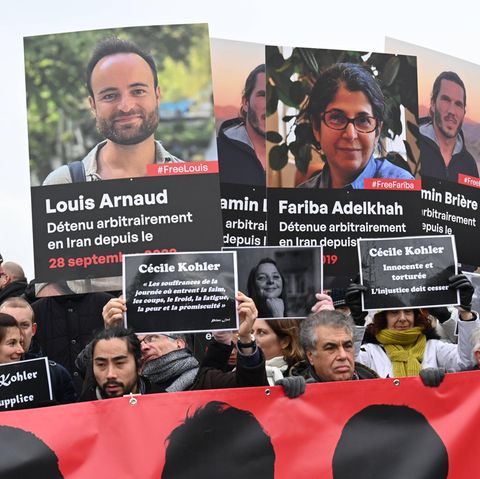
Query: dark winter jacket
[[237, 159], [65, 324], [303, 368], [14, 289], [431, 159]]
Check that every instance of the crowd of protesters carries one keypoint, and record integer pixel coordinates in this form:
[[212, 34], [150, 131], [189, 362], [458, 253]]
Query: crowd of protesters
[[92, 356]]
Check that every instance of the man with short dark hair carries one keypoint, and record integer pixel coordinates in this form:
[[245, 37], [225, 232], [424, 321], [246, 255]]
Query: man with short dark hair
[[12, 280], [124, 96], [241, 141], [115, 366], [443, 153]]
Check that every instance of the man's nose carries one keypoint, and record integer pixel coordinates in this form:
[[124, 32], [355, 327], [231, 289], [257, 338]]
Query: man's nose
[[342, 354], [126, 103], [111, 372]]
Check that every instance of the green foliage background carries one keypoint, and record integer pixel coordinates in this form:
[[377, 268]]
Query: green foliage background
[[61, 127], [289, 80]]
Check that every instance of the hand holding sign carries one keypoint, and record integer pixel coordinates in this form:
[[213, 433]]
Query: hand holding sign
[[112, 312], [247, 314], [463, 285], [353, 298], [324, 303]]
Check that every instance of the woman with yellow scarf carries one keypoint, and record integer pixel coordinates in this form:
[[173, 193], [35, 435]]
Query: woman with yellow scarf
[[403, 342]]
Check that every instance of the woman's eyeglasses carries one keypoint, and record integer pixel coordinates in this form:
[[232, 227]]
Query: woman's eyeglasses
[[336, 120]]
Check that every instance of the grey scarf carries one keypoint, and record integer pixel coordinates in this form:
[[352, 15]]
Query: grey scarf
[[177, 369]]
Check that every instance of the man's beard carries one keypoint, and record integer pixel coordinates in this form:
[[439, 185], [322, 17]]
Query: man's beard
[[254, 122], [129, 134], [107, 395], [439, 122]]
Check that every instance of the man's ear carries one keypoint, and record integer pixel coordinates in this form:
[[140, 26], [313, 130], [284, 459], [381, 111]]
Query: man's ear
[[245, 105], [91, 102], [181, 344], [310, 357], [34, 329]]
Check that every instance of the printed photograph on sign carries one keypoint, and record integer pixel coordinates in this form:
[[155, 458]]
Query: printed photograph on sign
[[339, 160], [449, 114], [409, 272], [448, 147], [93, 95], [281, 281], [238, 74], [120, 125], [180, 293], [337, 118]]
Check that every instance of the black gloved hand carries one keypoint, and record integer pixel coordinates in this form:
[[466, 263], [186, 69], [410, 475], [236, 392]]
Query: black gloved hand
[[442, 314], [353, 298], [293, 386], [432, 377], [462, 284]]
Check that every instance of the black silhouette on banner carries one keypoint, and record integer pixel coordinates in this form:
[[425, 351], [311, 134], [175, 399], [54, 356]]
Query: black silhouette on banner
[[408, 272], [219, 441], [386, 441], [25, 384], [24, 456], [180, 292]]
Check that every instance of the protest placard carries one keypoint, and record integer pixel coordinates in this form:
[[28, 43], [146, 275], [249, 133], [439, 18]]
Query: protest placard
[[111, 158], [25, 384], [281, 281], [180, 292], [409, 272]]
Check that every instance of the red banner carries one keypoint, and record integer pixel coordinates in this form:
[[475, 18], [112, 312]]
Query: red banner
[[401, 424]]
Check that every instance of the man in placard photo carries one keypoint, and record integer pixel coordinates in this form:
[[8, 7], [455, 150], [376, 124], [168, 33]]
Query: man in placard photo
[[443, 153], [124, 96]]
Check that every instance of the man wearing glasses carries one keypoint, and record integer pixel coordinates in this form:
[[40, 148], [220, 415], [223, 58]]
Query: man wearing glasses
[[167, 363], [346, 109]]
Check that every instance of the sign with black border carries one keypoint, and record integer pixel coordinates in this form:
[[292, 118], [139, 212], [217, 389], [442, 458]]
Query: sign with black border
[[282, 281], [180, 292], [25, 384], [409, 272]]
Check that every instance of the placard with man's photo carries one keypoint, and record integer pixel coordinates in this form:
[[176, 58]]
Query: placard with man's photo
[[122, 149]]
